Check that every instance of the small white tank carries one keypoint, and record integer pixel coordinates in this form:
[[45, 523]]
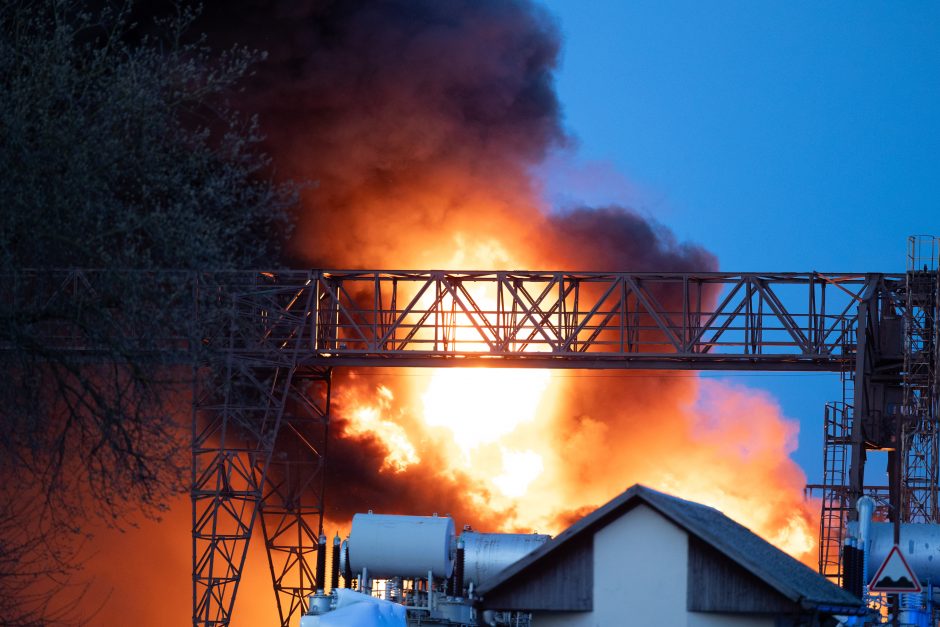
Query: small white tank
[[402, 546], [485, 554]]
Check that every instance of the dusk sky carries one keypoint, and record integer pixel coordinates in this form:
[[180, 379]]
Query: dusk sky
[[786, 136]]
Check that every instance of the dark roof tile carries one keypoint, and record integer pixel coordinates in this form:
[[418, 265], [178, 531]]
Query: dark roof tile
[[786, 575]]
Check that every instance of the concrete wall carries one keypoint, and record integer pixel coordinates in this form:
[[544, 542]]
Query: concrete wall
[[640, 564]]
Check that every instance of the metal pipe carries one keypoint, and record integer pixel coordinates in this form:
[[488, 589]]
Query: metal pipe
[[430, 591], [848, 564]]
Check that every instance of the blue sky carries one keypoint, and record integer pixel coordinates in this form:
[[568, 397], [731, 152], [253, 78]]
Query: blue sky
[[785, 136]]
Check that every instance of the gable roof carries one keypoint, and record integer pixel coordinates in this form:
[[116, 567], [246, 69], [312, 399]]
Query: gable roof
[[786, 575]]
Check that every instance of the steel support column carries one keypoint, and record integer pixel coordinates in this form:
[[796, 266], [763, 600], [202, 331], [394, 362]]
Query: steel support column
[[232, 446], [861, 407], [244, 389], [292, 499]]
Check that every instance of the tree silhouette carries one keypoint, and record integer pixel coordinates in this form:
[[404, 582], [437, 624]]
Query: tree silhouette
[[120, 152]]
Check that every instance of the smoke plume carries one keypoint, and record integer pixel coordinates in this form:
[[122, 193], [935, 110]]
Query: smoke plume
[[419, 123], [417, 120]]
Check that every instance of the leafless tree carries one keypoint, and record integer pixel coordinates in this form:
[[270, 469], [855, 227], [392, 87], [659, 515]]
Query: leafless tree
[[119, 152]]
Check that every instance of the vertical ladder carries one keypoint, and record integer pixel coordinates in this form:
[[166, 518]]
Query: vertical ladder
[[835, 501], [837, 431]]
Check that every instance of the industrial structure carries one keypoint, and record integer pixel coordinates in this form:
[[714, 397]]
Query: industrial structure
[[877, 330], [414, 570], [264, 374], [644, 558]]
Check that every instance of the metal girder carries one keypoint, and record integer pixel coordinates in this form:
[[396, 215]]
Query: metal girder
[[703, 321], [774, 321]]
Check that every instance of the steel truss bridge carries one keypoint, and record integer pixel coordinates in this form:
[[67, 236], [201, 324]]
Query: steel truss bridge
[[262, 391]]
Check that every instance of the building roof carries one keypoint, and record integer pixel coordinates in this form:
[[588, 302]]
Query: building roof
[[786, 575]]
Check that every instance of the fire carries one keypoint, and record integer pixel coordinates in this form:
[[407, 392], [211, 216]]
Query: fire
[[370, 418], [520, 469], [478, 407], [529, 447]]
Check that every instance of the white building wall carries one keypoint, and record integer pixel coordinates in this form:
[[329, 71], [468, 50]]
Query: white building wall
[[640, 565], [640, 575]]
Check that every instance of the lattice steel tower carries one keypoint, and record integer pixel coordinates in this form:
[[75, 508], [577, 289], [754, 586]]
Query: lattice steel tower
[[890, 403], [920, 434]]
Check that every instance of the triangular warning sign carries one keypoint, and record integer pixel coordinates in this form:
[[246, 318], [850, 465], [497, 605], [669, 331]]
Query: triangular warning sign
[[894, 575]]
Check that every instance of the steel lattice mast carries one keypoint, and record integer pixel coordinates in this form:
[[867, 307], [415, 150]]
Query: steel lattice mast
[[260, 425], [919, 430]]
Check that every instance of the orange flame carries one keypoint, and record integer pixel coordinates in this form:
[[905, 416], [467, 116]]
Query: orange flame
[[537, 453]]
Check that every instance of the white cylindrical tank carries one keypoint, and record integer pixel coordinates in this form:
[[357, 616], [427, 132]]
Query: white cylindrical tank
[[485, 554], [402, 546], [920, 545]]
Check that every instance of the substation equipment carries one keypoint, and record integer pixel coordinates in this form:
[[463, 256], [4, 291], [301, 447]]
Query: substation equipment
[[260, 435], [421, 566], [262, 385]]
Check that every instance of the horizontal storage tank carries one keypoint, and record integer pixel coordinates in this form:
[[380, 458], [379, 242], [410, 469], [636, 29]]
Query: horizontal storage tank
[[920, 545], [485, 554], [402, 546]]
